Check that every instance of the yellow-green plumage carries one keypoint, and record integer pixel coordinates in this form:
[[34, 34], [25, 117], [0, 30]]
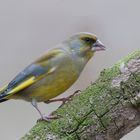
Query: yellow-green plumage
[[53, 73], [61, 77]]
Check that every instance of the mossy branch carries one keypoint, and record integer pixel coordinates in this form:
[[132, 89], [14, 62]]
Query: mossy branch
[[107, 110]]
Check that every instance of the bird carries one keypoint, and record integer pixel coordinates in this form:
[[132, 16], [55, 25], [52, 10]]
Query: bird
[[53, 73]]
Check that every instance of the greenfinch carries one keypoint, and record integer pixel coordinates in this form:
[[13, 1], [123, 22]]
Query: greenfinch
[[54, 72]]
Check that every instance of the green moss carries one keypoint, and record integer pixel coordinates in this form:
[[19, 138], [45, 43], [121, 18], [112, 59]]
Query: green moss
[[130, 56], [112, 72]]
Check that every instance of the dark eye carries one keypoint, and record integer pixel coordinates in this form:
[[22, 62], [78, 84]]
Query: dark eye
[[87, 39]]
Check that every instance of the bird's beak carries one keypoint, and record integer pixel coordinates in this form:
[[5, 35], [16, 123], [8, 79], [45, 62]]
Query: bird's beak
[[98, 46]]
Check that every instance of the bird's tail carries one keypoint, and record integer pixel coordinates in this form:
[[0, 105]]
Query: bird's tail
[[3, 100], [3, 94]]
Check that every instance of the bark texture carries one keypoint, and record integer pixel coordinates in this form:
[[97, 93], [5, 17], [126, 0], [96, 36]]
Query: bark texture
[[107, 110]]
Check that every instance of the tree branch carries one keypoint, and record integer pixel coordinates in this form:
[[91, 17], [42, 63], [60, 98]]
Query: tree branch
[[107, 110]]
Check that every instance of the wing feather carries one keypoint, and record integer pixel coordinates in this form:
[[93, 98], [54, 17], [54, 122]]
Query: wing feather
[[30, 75]]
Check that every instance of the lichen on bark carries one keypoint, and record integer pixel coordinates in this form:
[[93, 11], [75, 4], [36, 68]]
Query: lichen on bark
[[106, 110]]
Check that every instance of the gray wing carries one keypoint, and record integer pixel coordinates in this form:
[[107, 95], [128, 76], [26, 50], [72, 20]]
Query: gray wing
[[31, 70]]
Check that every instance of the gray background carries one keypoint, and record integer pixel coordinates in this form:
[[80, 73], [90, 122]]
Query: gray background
[[28, 28]]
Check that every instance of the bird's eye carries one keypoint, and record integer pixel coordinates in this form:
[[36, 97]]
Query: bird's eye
[[87, 40]]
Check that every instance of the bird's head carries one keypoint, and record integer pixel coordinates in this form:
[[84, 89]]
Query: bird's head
[[85, 44]]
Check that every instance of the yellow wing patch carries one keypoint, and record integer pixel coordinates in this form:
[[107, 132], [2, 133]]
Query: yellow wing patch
[[23, 85], [52, 70]]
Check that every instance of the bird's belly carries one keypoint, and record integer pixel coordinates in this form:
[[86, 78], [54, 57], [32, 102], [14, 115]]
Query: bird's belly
[[50, 86]]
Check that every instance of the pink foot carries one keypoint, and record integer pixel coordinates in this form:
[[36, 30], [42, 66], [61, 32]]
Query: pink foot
[[63, 100], [48, 118]]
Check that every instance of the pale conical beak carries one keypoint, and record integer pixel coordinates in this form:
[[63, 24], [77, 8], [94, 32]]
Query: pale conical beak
[[98, 46]]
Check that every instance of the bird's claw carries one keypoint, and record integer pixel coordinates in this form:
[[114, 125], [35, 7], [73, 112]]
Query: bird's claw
[[63, 100], [48, 118]]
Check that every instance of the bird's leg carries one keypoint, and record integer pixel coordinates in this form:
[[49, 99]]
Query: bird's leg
[[63, 100], [43, 117]]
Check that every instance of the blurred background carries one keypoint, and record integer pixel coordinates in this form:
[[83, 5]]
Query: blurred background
[[29, 28]]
